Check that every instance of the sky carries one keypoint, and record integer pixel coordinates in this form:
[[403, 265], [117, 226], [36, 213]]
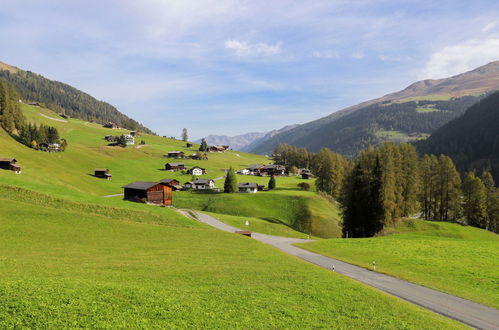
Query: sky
[[230, 67]]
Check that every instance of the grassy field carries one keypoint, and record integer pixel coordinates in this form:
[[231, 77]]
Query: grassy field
[[459, 260], [304, 211], [70, 268]]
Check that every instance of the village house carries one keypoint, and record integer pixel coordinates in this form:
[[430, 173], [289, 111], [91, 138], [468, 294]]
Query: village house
[[10, 165], [273, 169], [174, 166], [102, 173], [111, 125], [173, 183], [217, 148], [110, 138], [249, 187], [200, 184], [254, 169], [189, 145], [175, 154], [244, 171], [152, 192], [134, 133], [306, 175], [63, 115], [196, 170], [199, 156], [130, 139], [49, 147]]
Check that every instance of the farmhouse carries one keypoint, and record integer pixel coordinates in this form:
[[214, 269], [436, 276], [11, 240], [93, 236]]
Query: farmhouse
[[196, 170], [111, 125], [200, 184], [49, 147], [130, 139], [174, 184], [217, 148], [273, 169], [244, 171], [174, 166], [152, 192], [10, 164], [134, 133], [175, 154], [199, 156], [249, 187], [102, 173], [189, 145], [110, 138], [306, 175], [254, 169]]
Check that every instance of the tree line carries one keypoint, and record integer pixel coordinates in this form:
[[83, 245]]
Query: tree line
[[391, 182], [14, 123]]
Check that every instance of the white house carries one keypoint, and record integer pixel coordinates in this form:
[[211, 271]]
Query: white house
[[244, 171], [130, 139], [248, 187], [200, 184], [197, 171]]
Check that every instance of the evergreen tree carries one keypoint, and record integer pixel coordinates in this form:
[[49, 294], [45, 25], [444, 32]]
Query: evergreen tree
[[475, 201], [272, 183], [203, 146], [492, 202], [447, 190], [185, 137], [121, 141], [230, 184]]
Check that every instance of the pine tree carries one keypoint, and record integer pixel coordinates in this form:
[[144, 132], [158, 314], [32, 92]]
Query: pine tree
[[185, 137], [448, 190], [492, 202], [230, 184], [272, 183], [203, 146], [475, 201], [121, 141]]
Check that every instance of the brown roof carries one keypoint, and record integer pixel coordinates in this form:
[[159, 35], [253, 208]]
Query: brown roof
[[168, 180], [141, 185], [248, 185], [175, 164], [8, 160], [101, 169]]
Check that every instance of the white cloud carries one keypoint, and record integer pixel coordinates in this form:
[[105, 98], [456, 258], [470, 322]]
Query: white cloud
[[358, 55], [459, 58], [489, 27], [326, 54], [243, 48], [390, 58]]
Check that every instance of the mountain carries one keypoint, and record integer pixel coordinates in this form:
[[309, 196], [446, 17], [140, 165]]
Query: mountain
[[471, 140], [407, 115], [244, 142], [64, 98]]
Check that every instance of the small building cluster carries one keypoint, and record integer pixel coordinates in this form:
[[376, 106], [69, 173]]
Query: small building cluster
[[129, 139], [175, 154], [200, 184], [111, 125], [10, 165], [102, 173], [250, 187], [49, 147], [218, 148], [264, 170]]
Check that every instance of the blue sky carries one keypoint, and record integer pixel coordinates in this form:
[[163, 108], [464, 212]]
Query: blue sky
[[231, 67]]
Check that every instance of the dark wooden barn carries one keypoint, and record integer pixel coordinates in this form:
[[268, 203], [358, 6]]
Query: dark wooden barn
[[174, 166], [102, 173], [152, 192], [10, 165]]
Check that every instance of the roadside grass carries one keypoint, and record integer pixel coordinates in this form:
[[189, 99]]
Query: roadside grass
[[304, 211], [460, 260], [258, 225], [70, 269]]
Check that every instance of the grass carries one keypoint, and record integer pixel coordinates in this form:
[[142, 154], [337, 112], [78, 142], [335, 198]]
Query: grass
[[459, 260], [299, 210], [434, 97], [68, 268], [390, 135]]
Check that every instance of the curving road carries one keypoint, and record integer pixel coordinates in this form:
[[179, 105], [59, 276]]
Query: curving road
[[465, 311]]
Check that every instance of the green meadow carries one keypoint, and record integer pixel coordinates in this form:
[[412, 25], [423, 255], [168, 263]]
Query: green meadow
[[460, 260], [67, 268]]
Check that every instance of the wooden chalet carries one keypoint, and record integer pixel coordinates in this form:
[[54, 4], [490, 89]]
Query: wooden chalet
[[306, 175], [10, 165], [200, 184], [249, 187], [175, 154], [244, 232], [111, 125], [153, 192], [174, 166], [217, 148], [196, 170], [189, 145], [254, 169], [49, 147], [173, 183], [273, 169], [102, 173], [134, 133]]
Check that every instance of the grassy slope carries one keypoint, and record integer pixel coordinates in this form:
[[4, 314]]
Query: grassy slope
[[69, 174], [463, 261], [64, 269]]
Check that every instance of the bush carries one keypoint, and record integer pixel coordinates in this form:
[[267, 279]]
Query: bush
[[304, 186]]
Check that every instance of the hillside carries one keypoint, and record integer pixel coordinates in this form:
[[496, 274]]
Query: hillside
[[351, 129], [444, 256], [88, 150], [65, 98], [471, 140]]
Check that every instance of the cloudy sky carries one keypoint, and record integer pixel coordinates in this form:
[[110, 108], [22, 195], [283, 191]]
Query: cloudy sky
[[231, 67]]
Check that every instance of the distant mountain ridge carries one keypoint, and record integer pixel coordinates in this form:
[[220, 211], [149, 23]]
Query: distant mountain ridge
[[62, 97], [244, 142], [338, 135]]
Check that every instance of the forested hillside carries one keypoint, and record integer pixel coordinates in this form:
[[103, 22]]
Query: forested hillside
[[63, 98], [403, 116], [472, 140], [377, 123]]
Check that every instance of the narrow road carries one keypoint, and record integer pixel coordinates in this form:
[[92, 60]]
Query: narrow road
[[462, 310], [115, 195]]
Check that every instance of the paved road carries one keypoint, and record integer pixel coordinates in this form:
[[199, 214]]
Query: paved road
[[115, 195], [465, 311]]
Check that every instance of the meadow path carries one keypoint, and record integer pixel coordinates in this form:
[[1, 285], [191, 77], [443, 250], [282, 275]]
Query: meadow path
[[462, 310]]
